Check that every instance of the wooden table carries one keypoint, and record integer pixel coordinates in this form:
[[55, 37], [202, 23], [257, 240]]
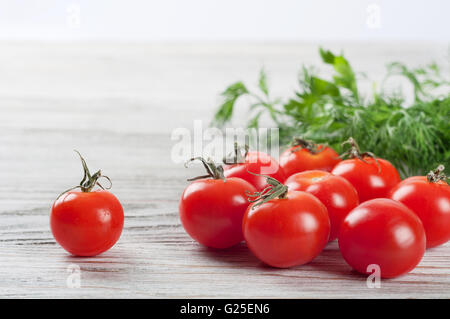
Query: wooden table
[[118, 104]]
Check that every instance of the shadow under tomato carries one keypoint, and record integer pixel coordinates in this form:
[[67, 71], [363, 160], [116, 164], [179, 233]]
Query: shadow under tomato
[[114, 255], [330, 260], [238, 255]]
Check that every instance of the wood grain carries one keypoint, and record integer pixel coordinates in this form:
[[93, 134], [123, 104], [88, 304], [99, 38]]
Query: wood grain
[[118, 104]]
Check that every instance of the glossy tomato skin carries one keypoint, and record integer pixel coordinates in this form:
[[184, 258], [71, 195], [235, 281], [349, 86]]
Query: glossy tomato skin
[[303, 160], [335, 192], [369, 180], [382, 232], [87, 223], [211, 211], [287, 232], [429, 201], [258, 163]]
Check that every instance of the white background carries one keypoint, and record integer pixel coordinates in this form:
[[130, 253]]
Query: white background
[[230, 20]]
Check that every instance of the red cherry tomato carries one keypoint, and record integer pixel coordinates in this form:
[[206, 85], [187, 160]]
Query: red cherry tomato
[[211, 210], [369, 179], [431, 202], [311, 157], [382, 232], [335, 192], [87, 223], [288, 231], [258, 163]]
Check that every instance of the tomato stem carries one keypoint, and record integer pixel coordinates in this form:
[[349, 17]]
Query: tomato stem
[[355, 152], [437, 175], [214, 171], [89, 181], [274, 190], [312, 147], [237, 157]]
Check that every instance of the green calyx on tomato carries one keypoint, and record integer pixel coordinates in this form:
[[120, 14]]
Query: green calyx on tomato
[[238, 156], [437, 175], [301, 143], [274, 190], [355, 152], [214, 171], [89, 181]]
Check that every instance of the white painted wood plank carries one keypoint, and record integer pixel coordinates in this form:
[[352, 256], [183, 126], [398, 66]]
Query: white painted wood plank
[[117, 104]]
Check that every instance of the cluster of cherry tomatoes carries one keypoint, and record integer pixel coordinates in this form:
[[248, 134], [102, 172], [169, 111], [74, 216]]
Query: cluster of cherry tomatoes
[[287, 211]]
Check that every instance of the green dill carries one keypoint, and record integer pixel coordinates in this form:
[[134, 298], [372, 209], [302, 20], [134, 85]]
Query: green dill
[[414, 138]]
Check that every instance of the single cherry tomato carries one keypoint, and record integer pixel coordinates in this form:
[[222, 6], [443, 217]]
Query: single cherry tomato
[[285, 229], [305, 156], [87, 223], [428, 197], [372, 177], [385, 233], [335, 192], [253, 162], [211, 210]]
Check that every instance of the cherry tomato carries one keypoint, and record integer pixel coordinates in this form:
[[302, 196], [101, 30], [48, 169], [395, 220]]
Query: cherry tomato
[[335, 192], [431, 202], [211, 210], [87, 223], [369, 180], [305, 156], [382, 232], [287, 231], [371, 177], [259, 163]]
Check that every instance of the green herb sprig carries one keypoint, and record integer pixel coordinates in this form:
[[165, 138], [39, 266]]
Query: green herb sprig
[[413, 138]]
